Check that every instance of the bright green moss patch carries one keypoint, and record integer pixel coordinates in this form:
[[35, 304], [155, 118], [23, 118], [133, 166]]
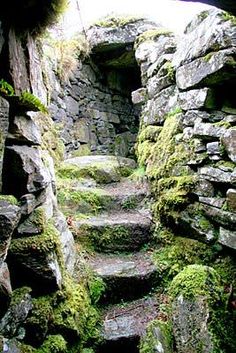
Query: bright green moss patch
[[6, 89], [226, 16], [158, 334], [19, 294], [10, 199], [149, 133], [53, 344], [197, 280], [152, 35], [144, 151], [179, 252], [44, 243]]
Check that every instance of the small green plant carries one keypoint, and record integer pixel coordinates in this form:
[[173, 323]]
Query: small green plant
[[32, 102], [226, 16], [138, 174], [96, 288], [6, 89]]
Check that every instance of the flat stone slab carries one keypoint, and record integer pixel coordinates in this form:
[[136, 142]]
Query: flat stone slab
[[130, 320], [126, 276], [120, 231], [104, 169]]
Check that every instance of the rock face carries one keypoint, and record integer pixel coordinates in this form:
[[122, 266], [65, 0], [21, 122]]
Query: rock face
[[202, 144]]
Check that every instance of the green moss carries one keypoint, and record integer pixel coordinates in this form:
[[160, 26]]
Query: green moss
[[51, 140], [150, 340], [149, 133], [129, 203], [18, 295], [208, 56], [10, 199], [104, 238], [171, 259], [44, 243], [197, 280], [152, 35], [53, 344], [80, 201], [226, 16], [116, 21], [73, 312], [32, 102], [138, 175], [144, 151], [170, 70]]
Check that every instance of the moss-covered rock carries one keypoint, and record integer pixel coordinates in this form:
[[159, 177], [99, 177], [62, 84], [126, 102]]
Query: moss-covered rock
[[158, 338], [200, 312]]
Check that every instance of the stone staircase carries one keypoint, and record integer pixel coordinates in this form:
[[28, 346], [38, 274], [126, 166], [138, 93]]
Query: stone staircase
[[118, 235]]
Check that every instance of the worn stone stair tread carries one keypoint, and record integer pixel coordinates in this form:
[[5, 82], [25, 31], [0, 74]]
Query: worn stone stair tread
[[121, 218], [126, 276], [113, 265], [102, 168], [129, 320]]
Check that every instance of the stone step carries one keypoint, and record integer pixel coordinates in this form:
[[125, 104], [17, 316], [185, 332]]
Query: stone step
[[104, 169], [126, 195], [127, 277], [124, 325], [119, 231]]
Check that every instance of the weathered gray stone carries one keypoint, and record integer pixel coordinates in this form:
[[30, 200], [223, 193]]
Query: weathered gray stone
[[72, 105], [207, 131], [102, 37], [11, 325], [156, 338], [223, 218], [212, 201], [66, 240], [24, 130], [125, 276], [157, 83], [5, 288], [213, 148], [231, 199], [212, 69], [196, 99], [227, 237], [127, 233], [34, 224], [24, 171], [164, 103], [215, 175], [36, 257], [130, 321], [229, 141], [9, 218], [191, 316], [81, 130], [213, 32], [4, 123], [139, 96]]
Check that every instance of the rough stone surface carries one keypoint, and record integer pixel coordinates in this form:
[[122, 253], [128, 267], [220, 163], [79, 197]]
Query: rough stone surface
[[196, 99], [24, 130], [107, 167], [229, 142], [212, 32], [125, 276], [227, 237], [66, 240], [129, 321], [5, 288], [231, 199], [4, 123], [139, 96], [191, 316], [25, 172], [215, 175], [212, 69], [207, 131], [9, 218], [116, 232]]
